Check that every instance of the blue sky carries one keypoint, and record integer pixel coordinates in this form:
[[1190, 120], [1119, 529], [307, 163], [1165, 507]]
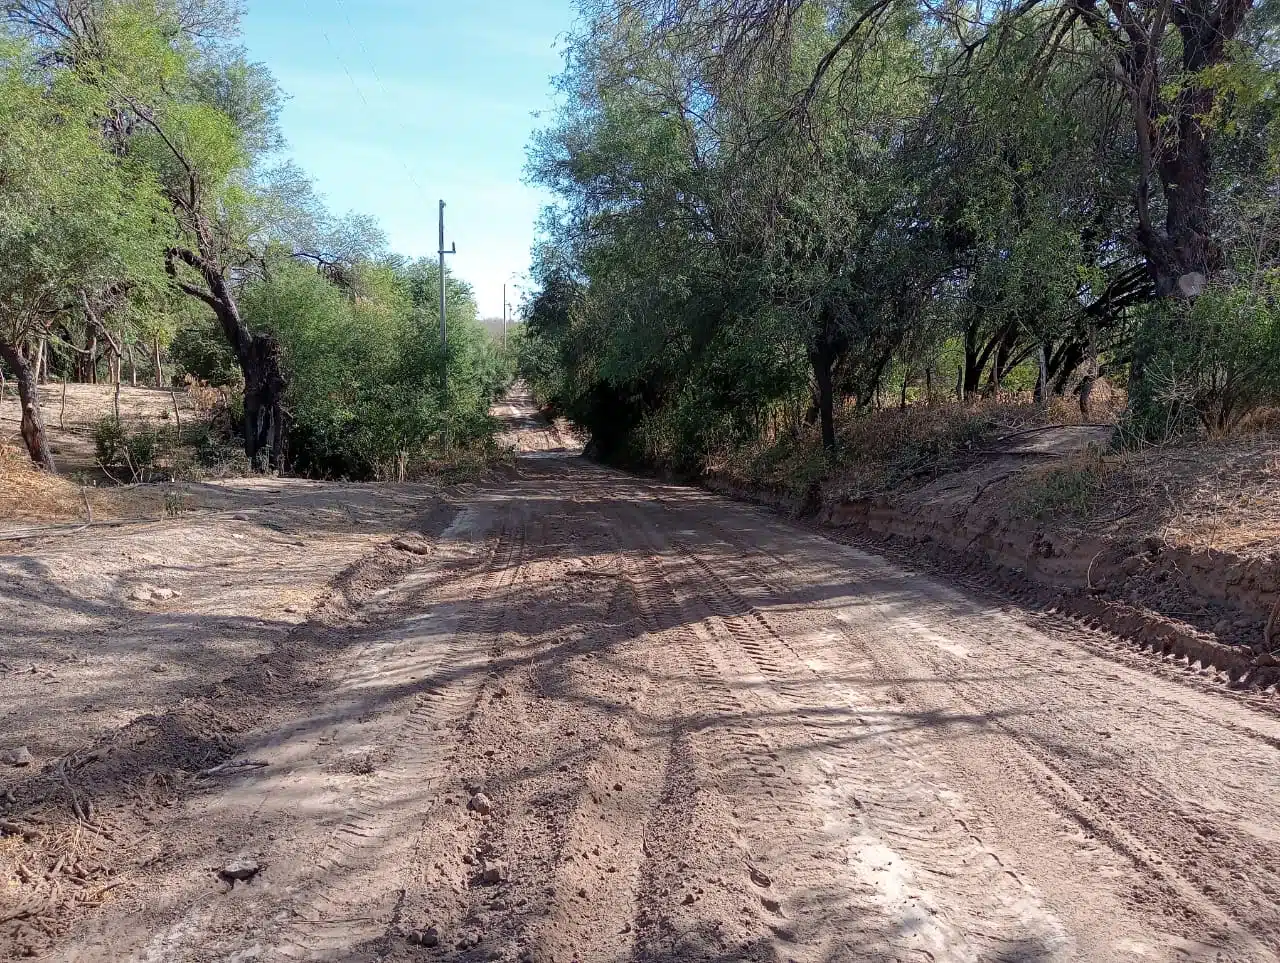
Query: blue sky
[[439, 104]]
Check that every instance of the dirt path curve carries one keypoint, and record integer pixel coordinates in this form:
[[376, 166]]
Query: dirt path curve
[[702, 733]]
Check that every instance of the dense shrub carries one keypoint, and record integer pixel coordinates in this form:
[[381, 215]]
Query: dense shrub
[[1209, 364], [133, 450], [364, 362], [199, 350]]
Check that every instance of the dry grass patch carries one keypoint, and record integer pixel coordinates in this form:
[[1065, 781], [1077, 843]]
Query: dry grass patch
[[28, 494], [1204, 493], [890, 449], [1222, 494], [1075, 488]]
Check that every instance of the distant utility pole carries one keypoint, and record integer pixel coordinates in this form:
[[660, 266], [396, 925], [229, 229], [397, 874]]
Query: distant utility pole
[[444, 329]]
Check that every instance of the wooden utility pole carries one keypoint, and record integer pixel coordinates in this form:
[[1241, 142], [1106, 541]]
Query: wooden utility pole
[[444, 328]]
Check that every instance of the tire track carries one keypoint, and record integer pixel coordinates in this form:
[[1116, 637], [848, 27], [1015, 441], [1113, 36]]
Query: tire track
[[1055, 614], [1045, 774], [694, 841], [982, 906], [708, 735], [352, 889], [561, 742]]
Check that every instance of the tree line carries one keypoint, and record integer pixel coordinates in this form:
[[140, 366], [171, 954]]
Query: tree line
[[773, 211], [147, 210]]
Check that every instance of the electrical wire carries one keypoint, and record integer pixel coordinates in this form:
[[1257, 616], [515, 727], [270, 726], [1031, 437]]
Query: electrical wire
[[360, 91]]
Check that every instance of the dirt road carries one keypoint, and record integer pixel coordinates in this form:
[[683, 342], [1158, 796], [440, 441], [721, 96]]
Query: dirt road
[[587, 717]]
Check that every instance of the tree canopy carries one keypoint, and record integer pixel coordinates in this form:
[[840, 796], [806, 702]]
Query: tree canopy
[[771, 210], [146, 200]]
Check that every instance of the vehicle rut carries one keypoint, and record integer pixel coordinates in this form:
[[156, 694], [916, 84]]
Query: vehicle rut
[[614, 719]]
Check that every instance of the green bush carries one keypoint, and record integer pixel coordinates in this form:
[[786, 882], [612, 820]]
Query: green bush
[[135, 451], [200, 349], [1072, 489], [109, 441], [1208, 364], [364, 398]]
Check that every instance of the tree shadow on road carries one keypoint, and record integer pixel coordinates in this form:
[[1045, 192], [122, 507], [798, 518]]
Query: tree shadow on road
[[630, 566]]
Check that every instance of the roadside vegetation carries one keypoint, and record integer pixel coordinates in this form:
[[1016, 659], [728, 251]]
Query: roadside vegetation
[[851, 241], [152, 230]]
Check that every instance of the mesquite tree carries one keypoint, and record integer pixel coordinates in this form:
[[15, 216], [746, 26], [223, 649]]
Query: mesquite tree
[[72, 219], [1164, 55], [196, 151], [184, 107]]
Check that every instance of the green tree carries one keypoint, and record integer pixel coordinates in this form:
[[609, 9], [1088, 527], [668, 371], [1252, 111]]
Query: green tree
[[363, 363], [73, 221]]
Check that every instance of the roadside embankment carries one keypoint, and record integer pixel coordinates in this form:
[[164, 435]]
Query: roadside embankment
[[1175, 549]]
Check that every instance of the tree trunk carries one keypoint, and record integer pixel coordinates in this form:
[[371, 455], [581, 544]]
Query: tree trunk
[[1183, 258], [261, 363], [821, 359], [259, 355], [1042, 382], [971, 369], [133, 369], [155, 361], [264, 385], [33, 433]]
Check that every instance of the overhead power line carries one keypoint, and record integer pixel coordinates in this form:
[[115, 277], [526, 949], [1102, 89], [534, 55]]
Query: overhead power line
[[337, 55]]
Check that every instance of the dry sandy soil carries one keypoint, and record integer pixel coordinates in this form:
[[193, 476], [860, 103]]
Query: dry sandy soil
[[527, 431], [70, 418], [573, 715]]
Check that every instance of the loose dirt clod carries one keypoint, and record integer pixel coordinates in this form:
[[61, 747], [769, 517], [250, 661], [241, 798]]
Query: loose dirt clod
[[19, 757], [480, 803], [428, 937], [240, 870], [413, 545], [493, 872]]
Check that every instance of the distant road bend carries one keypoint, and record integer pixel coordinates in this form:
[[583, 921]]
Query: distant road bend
[[623, 720]]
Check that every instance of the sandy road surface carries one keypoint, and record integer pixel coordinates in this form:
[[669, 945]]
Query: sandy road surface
[[526, 430], [706, 734]]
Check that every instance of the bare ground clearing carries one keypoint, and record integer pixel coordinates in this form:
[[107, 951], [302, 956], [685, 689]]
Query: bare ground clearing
[[71, 414], [700, 732]]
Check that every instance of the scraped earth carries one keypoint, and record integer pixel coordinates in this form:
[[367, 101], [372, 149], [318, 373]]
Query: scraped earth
[[573, 715], [526, 430]]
